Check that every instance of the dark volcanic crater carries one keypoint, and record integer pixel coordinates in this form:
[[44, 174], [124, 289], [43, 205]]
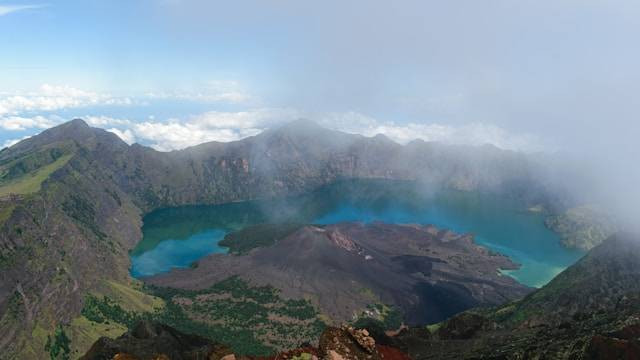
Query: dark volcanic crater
[[429, 274]]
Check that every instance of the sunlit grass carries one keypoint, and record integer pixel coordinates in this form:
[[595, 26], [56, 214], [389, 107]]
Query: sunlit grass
[[31, 182]]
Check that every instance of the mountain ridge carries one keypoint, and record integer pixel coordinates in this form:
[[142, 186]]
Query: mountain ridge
[[83, 215]]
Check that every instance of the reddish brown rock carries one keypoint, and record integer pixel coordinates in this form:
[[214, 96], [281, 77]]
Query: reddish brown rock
[[348, 343], [607, 348]]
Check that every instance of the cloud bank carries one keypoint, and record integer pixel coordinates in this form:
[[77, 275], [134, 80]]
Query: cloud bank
[[51, 98], [175, 134]]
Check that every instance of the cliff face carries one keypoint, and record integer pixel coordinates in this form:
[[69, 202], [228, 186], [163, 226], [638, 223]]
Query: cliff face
[[72, 197], [302, 156]]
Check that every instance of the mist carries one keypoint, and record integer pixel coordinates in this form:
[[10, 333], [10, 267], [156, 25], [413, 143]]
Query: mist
[[562, 75], [565, 72]]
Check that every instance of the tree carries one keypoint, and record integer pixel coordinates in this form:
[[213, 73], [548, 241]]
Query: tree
[[58, 347]]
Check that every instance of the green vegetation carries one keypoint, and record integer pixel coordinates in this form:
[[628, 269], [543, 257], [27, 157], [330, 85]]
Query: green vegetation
[[102, 310], [582, 227], [380, 317], [5, 212], [58, 346], [84, 333], [393, 318], [252, 320], [261, 235], [434, 327], [30, 182], [110, 312], [12, 168], [84, 212], [132, 298], [303, 356]]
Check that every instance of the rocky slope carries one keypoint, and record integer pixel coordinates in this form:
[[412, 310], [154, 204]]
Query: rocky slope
[[149, 341], [347, 269], [590, 311], [72, 198]]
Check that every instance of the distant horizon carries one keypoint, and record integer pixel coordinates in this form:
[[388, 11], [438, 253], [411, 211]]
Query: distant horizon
[[274, 127]]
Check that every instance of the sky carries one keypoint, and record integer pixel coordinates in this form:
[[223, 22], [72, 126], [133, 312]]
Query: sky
[[560, 75]]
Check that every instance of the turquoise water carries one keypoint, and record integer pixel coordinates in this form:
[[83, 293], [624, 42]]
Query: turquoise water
[[177, 253], [177, 237]]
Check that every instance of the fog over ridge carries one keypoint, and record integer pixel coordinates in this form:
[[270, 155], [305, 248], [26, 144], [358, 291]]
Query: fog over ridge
[[536, 76]]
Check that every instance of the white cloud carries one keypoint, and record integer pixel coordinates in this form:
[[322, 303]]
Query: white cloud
[[126, 135], [51, 98], [12, 142], [102, 121], [18, 123], [177, 134], [174, 134], [8, 9], [210, 126], [467, 134]]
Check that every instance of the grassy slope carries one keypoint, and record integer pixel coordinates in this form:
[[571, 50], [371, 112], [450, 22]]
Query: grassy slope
[[5, 211], [252, 320], [84, 333], [31, 182]]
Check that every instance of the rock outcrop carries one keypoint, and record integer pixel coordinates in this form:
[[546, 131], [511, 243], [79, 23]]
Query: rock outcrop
[[153, 341], [150, 341]]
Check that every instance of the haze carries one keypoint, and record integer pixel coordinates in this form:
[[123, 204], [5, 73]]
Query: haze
[[535, 76]]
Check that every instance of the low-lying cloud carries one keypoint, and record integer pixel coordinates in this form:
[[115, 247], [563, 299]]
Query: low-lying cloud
[[175, 134], [225, 126]]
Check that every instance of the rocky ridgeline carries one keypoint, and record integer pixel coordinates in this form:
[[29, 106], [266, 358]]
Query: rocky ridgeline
[[86, 214], [153, 341]]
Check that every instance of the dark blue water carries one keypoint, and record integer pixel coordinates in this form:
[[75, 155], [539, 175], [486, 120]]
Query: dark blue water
[[177, 237]]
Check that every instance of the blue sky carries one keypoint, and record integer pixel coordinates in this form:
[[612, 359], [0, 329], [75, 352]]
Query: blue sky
[[525, 75]]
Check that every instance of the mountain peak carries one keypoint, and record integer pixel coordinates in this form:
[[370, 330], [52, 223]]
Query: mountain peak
[[74, 130], [307, 132], [76, 123], [383, 138], [301, 124]]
